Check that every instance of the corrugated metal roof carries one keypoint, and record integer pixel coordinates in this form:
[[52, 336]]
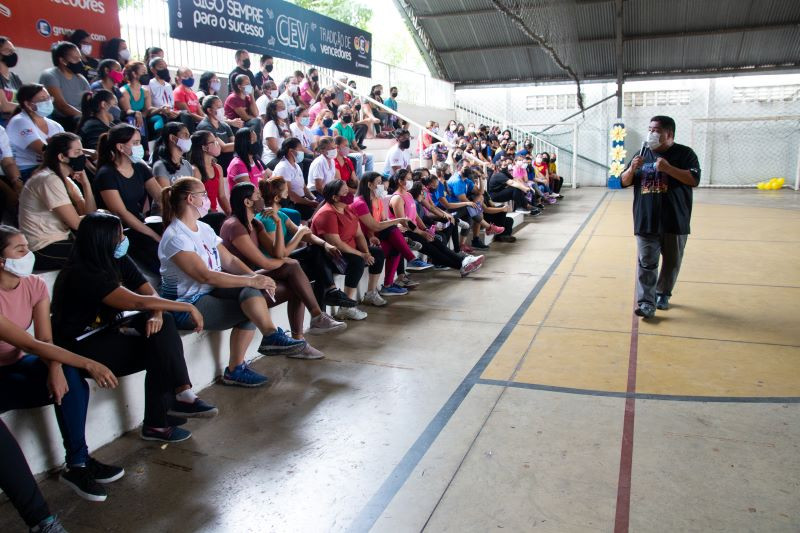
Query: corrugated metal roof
[[475, 43]]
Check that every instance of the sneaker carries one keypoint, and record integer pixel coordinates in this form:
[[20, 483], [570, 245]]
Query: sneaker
[[417, 265], [471, 264], [407, 283], [494, 230], [535, 212], [104, 473], [550, 200], [414, 245], [80, 480], [645, 311], [337, 298], [373, 298], [196, 409], [662, 302], [309, 352], [467, 249], [522, 210], [170, 434], [51, 524], [324, 323], [441, 267], [350, 313], [505, 238], [279, 343], [242, 376], [393, 290], [477, 244], [559, 196]]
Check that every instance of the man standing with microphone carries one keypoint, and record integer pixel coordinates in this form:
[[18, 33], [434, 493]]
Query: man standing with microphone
[[663, 176]]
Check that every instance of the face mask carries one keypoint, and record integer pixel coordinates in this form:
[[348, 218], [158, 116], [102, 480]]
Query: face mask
[[435, 130], [116, 76], [404, 145], [453, 127], [248, 89], [268, 68], [22, 267], [330, 154], [344, 151], [77, 163], [137, 153], [299, 156], [377, 93], [204, 208], [347, 200], [292, 88], [184, 145], [163, 74], [124, 54], [255, 148], [358, 107], [347, 118], [75, 68], [10, 60], [315, 78], [273, 94], [188, 82], [304, 121], [409, 184], [221, 114], [380, 191], [86, 49], [328, 122], [283, 114], [215, 85], [44, 109], [246, 63], [653, 140], [122, 248]]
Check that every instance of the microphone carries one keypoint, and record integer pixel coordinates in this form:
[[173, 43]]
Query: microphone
[[644, 147]]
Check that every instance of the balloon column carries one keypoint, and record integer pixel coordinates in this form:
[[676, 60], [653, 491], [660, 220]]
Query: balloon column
[[772, 185], [618, 154]]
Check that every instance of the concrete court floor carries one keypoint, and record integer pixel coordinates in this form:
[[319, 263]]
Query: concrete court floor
[[515, 402]]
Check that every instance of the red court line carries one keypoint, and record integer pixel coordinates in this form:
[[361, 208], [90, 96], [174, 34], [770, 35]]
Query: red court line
[[622, 517]]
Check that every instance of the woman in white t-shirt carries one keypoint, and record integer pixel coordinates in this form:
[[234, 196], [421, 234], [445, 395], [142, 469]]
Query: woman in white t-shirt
[[197, 268], [323, 168], [275, 131], [300, 130], [51, 204], [29, 128], [289, 158]]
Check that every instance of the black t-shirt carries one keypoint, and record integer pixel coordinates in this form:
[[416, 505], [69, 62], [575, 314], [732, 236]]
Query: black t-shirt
[[78, 298], [222, 131], [132, 190], [259, 78], [497, 182], [662, 204], [237, 71], [91, 131]]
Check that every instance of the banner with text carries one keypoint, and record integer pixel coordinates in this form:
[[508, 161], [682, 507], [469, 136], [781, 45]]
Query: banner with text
[[40, 23], [277, 28]]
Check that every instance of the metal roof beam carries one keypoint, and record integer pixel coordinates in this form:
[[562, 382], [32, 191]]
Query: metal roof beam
[[489, 11], [632, 38]]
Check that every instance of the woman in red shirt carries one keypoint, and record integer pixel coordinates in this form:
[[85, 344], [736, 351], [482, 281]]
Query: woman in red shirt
[[338, 225], [345, 169], [203, 155]]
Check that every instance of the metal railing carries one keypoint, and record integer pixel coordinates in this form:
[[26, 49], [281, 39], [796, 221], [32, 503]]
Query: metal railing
[[145, 23]]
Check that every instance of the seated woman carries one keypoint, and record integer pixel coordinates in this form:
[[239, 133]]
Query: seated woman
[[124, 182], [109, 76], [289, 157], [205, 149], [96, 116], [300, 130], [214, 122], [285, 239], [323, 168], [335, 222], [197, 268], [276, 130], [138, 105], [503, 187], [242, 234], [345, 168], [241, 104], [29, 128], [402, 205], [246, 165], [322, 126], [28, 381], [51, 204], [100, 281], [169, 163], [381, 231]]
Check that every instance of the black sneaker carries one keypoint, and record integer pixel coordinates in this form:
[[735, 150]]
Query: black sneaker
[[662, 302], [104, 473], [196, 409], [51, 524], [171, 434], [505, 238], [645, 311], [478, 244], [338, 298], [83, 483], [535, 211]]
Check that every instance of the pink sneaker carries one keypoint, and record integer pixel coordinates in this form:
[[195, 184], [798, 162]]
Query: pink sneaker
[[494, 230], [467, 249], [550, 200]]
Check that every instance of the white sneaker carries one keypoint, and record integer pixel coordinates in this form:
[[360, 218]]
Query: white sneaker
[[324, 323], [309, 352], [350, 313], [373, 298], [470, 264]]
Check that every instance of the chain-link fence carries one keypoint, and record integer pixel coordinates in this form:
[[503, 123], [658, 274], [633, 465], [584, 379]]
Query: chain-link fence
[[744, 129]]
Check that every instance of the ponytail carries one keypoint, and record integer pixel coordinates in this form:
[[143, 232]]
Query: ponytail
[[289, 144], [90, 104], [107, 144], [174, 197]]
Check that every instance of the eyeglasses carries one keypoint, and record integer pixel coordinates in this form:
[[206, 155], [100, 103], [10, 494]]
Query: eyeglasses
[[204, 194]]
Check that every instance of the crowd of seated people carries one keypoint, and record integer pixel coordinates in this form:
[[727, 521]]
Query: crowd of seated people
[[167, 206]]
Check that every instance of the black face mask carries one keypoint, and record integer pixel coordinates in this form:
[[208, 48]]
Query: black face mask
[[246, 63], [77, 163], [163, 74], [255, 148], [75, 68], [358, 107], [268, 68], [404, 145], [10, 60], [394, 95], [315, 78], [328, 122], [377, 93], [347, 118]]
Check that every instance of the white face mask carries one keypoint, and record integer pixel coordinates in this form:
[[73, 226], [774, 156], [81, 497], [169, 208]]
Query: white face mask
[[248, 89], [86, 49], [221, 114], [292, 89], [380, 191], [124, 54], [273, 94], [215, 85], [653, 140], [331, 153], [184, 144], [409, 184], [22, 267], [283, 114]]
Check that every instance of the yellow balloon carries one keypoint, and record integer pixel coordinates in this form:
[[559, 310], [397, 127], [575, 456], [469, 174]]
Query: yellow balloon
[[760, 186], [781, 181], [774, 186]]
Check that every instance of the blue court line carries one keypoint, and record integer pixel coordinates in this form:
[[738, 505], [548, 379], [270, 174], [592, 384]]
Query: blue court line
[[641, 395], [394, 482]]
